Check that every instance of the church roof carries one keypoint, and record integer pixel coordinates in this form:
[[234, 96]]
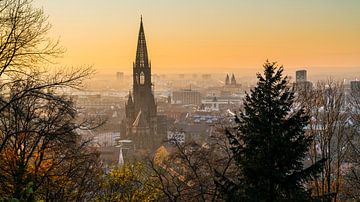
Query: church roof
[[141, 52], [140, 120]]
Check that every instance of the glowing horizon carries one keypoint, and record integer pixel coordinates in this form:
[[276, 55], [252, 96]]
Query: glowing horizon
[[207, 35]]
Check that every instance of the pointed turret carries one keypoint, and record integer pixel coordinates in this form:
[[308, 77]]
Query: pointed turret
[[227, 79], [129, 108], [141, 52], [130, 100], [233, 80]]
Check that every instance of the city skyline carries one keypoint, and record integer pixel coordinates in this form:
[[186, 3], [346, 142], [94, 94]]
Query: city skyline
[[208, 36], [165, 100]]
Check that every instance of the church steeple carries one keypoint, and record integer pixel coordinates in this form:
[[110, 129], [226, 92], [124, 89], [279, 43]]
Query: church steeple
[[142, 60], [233, 80], [141, 121], [143, 97], [227, 79]]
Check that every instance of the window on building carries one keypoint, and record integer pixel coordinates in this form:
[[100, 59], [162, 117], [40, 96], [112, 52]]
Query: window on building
[[142, 78]]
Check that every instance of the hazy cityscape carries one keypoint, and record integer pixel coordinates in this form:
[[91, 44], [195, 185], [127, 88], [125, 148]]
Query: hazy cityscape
[[107, 118]]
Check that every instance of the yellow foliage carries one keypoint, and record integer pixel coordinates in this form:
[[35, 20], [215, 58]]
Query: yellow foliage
[[160, 155], [130, 182]]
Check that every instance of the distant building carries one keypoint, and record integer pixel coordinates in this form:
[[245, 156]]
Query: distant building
[[119, 76], [231, 82], [109, 155], [221, 103], [196, 126], [301, 76], [355, 89], [186, 97], [98, 100], [176, 137], [227, 80], [355, 86], [206, 76], [106, 139], [231, 86], [302, 84], [141, 124]]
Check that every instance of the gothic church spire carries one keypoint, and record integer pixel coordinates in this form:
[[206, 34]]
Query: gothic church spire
[[141, 52]]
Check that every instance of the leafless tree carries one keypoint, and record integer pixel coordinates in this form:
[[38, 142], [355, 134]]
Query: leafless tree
[[352, 177], [39, 144], [329, 125], [41, 154], [24, 41], [187, 173]]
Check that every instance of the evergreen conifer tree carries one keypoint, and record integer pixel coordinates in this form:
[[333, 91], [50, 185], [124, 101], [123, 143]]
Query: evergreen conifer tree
[[269, 144]]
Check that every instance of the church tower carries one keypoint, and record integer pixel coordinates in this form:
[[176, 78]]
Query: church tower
[[227, 80], [233, 80], [142, 86], [141, 110]]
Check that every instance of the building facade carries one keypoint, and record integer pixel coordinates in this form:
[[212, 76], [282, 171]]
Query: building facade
[[186, 97], [301, 76], [302, 84], [355, 86]]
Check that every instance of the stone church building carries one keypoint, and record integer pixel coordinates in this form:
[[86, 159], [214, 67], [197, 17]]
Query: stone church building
[[142, 126]]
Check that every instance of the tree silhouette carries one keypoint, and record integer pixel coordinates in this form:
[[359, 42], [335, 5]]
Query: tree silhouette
[[269, 144], [42, 156]]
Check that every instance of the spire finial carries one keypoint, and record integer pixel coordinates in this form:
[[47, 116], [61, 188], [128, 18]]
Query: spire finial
[[141, 51]]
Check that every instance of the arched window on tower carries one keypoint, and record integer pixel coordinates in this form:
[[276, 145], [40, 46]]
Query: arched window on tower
[[142, 78]]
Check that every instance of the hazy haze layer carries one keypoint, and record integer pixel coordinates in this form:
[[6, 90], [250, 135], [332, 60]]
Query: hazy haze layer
[[208, 36]]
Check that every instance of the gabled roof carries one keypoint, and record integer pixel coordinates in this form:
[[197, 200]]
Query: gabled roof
[[140, 120]]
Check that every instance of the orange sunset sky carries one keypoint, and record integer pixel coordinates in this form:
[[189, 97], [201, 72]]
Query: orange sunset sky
[[207, 35]]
